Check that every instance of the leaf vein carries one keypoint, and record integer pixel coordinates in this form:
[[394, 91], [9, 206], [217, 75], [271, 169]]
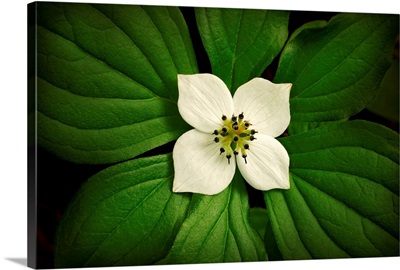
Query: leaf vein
[[152, 229], [340, 202], [346, 58], [146, 56], [100, 60], [316, 219], [124, 218]]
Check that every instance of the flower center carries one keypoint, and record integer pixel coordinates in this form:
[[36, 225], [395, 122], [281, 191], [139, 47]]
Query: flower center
[[234, 136]]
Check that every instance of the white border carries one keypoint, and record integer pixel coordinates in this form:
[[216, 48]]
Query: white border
[[13, 125]]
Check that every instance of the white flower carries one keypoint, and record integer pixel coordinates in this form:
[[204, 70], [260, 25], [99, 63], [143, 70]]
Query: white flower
[[242, 128]]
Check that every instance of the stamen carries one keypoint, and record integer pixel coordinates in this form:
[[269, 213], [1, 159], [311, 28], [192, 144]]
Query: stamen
[[245, 160], [234, 136], [229, 158]]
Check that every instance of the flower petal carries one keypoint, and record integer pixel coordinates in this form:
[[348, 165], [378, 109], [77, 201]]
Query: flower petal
[[265, 105], [267, 164], [199, 167], [203, 99]]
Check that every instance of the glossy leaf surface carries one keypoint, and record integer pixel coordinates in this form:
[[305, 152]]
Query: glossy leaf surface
[[107, 79], [218, 230], [241, 43], [336, 67], [343, 200], [124, 215]]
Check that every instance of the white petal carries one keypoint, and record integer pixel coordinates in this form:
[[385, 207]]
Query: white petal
[[203, 99], [199, 167], [267, 164], [265, 105]]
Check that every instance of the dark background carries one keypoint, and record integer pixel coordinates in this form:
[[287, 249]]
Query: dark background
[[58, 180]]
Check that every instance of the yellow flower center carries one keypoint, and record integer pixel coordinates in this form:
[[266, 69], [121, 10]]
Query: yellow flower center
[[234, 136]]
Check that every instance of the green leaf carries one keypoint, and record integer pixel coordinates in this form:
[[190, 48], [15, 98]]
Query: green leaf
[[386, 102], [336, 67], [241, 43], [271, 247], [107, 79], [124, 215], [218, 230], [299, 127], [343, 200], [259, 219]]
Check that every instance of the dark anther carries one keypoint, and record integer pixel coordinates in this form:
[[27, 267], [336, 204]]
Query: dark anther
[[241, 116], [216, 139], [253, 131], [234, 118], [236, 138], [247, 124], [223, 117], [235, 153], [215, 132], [229, 158], [235, 126], [246, 146], [252, 138], [224, 132], [221, 150], [245, 160]]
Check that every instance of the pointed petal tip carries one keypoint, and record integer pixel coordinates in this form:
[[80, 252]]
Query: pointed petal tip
[[279, 186], [175, 189], [182, 77], [265, 104], [203, 192], [288, 86], [286, 186], [198, 165], [203, 99]]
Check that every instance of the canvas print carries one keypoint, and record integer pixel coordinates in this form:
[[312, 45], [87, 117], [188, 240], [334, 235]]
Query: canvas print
[[185, 135]]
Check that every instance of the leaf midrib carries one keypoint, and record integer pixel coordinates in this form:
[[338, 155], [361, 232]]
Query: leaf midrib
[[346, 206], [123, 219], [107, 63], [142, 51], [151, 231], [316, 219], [342, 146], [345, 58], [344, 173], [319, 50], [234, 50]]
